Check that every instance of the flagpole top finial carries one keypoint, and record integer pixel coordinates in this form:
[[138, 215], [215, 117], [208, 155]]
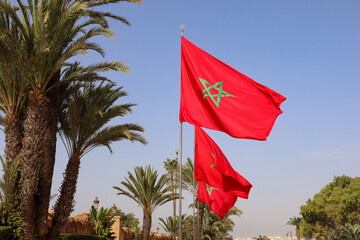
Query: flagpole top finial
[[182, 27]]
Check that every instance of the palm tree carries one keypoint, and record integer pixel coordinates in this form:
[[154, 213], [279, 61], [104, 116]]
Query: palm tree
[[189, 184], [12, 87], [102, 220], [172, 167], [296, 221], [349, 232], [188, 177], [216, 228], [188, 228], [12, 99], [85, 111], [147, 190], [171, 225], [52, 32]]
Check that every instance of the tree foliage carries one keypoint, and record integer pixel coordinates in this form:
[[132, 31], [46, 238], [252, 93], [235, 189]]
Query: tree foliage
[[10, 199], [172, 168], [338, 203], [84, 117], [215, 228], [127, 219], [7, 185], [296, 221], [147, 189], [37, 41], [102, 220], [347, 232], [188, 177], [171, 225]]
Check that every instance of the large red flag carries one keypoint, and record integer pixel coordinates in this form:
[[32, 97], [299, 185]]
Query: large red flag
[[219, 202], [212, 167], [216, 96]]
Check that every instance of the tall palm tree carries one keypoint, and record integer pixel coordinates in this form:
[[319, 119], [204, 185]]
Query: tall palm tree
[[52, 32], [12, 87], [189, 184], [172, 167], [85, 112], [12, 100], [295, 221], [148, 190]]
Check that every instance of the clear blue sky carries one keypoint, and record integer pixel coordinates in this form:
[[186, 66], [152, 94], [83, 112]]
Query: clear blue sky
[[309, 51]]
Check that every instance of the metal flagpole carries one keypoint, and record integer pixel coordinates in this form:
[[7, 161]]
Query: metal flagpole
[[194, 226], [182, 27], [198, 222], [180, 183]]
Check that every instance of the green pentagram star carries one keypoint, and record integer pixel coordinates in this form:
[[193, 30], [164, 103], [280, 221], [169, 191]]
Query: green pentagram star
[[209, 189], [218, 86]]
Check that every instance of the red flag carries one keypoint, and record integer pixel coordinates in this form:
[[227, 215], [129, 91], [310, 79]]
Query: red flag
[[212, 167], [219, 202], [216, 96]]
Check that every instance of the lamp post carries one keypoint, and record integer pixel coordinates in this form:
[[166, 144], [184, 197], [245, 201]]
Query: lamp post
[[96, 203], [113, 209]]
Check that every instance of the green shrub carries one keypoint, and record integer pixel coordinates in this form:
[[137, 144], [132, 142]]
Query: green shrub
[[79, 237], [102, 220], [5, 232]]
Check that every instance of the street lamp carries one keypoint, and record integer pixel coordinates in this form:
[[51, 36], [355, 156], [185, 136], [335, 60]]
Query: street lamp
[[96, 203], [113, 209]]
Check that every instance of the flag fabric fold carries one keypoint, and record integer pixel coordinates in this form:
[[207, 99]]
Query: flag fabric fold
[[219, 202], [212, 167], [216, 96]]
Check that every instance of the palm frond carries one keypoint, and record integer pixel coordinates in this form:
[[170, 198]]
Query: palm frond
[[84, 115], [146, 188]]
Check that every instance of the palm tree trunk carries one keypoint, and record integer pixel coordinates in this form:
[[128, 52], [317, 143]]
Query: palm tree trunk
[[201, 206], [146, 225], [13, 136], [33, 151], [65, 202], [47, 165]]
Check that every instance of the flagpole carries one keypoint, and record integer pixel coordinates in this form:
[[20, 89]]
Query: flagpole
[[194, 226], [182, 27], [180, 184], [198, 237]]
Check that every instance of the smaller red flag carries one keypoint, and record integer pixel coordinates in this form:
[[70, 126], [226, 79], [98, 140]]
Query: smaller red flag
[[219, 202], [212, 167]]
